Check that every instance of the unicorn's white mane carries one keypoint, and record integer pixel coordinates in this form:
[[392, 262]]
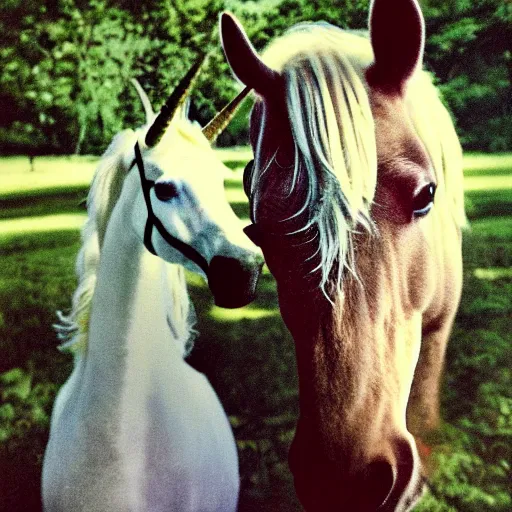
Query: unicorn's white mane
[[105, 190], [333, 130]]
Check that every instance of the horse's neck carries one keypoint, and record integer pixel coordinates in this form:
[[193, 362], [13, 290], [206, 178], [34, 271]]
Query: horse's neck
[[129, 327]]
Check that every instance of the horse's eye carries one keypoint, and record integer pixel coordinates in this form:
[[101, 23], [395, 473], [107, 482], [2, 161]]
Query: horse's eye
[[166, 190], [248, 177], [424, 200]]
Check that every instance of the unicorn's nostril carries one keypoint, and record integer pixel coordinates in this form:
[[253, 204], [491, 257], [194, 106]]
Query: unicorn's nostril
[[166, 190], [233, 281]]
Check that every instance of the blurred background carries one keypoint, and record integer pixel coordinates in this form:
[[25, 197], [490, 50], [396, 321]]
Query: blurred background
[[65, 67], [66, 64]]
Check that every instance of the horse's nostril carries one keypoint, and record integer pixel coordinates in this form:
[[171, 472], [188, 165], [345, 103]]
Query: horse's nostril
[[166, 190], [391, 483], [379, 481]]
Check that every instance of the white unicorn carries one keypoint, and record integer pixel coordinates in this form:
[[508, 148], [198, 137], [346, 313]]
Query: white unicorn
[[135, 428]]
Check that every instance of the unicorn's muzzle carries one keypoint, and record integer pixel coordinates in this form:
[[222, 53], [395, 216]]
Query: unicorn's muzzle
[[233, 281]]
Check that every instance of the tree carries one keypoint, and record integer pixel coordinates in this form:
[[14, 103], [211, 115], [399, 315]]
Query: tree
[[470, 51], [65, 65]]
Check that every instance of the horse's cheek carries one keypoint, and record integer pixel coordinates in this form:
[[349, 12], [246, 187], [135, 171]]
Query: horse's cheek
[[422, 275]]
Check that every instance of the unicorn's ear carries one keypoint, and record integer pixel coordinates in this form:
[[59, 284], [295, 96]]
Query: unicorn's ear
[[148, 109], [397, 32], [243, 59]]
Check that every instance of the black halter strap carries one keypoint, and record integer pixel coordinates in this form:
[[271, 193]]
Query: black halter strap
[[153, 221]]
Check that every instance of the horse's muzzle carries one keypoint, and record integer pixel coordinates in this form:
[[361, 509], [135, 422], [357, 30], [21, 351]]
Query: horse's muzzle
[[233, 281]]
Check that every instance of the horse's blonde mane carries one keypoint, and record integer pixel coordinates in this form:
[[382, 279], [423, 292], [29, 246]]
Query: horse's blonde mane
[[334, 134], [104, 193], [435, 128]]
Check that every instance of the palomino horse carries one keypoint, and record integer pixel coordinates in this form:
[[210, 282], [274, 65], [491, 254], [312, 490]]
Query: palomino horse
[[135, 428], [351, 145]]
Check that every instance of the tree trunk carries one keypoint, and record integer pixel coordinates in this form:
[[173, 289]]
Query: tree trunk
[[81, 137]]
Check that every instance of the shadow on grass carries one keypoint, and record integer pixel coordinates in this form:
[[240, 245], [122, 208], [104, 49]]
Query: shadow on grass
[[488, 203], [235, 164], [241, 210], [49, 202]]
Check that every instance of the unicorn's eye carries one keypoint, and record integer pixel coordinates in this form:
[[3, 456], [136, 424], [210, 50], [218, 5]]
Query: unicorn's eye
[[424, 200], [166, 190], [248, 177]]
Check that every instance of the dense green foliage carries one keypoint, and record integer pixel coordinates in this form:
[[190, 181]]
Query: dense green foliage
[[65, 65], [249, 358]]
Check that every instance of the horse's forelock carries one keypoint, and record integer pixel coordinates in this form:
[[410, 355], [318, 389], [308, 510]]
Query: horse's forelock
[[333, 132]]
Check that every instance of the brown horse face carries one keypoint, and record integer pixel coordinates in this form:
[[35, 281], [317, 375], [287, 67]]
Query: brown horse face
[[357, 358], [352, 449]]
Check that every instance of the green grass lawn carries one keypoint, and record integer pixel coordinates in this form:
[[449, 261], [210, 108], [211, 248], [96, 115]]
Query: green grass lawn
[[248, 354]]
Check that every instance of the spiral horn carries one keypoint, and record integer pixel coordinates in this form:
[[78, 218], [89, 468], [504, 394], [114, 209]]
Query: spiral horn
[[176, 99], [218, 124]]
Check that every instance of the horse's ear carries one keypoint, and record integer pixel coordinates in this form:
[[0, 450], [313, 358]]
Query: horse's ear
[[397, 33], [243, 59]]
